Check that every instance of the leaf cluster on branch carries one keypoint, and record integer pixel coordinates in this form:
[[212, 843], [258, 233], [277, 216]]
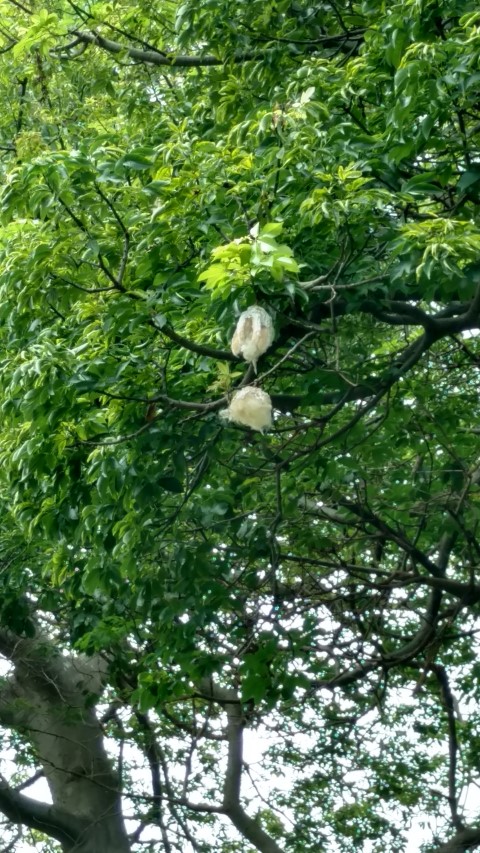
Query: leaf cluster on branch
[[178, 591]]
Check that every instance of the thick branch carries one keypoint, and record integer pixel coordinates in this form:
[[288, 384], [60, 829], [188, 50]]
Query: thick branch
[[53, 691], [172, 60], [49, 819], [455, 317], [157, 57], [466, 839], [449, 704], [397, 313], [429, 619], [154, 762], [406, 653], [467, 593], [201, 349], [249, 828], [395, 536]]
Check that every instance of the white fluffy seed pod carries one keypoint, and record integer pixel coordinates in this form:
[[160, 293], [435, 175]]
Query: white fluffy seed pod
[[253, 335], [251, 407]]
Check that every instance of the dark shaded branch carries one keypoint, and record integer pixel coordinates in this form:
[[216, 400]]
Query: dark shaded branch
[[12, 845], [126, 235], [463, 323], [119, 439], [23, 90], [153, 755], [82, 227], [396, 313], [419, 641], [449, 704], [394, 536], [403, 655], [232, 808], [21, 6], [453, 318], [468, 593], [425, 633], [464, 137], [158, 57], [172, 60], [80, 286], [408, 359], [201, 349], [49, 819], [40, 774], [190, 730], [69, 57], [466, 839]]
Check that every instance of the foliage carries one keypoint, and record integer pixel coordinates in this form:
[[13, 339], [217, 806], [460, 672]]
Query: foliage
[[166, 166]]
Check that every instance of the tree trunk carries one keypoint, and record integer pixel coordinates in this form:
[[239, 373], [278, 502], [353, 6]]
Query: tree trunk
[[49, 697]]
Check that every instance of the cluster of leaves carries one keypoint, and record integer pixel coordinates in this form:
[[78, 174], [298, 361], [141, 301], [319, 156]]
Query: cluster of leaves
[[164, 167]]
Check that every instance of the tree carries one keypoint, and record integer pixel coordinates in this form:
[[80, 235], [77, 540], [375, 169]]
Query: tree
[[174, 583]]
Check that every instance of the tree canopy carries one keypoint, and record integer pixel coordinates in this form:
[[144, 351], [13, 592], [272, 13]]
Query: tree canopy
[[178, 591]]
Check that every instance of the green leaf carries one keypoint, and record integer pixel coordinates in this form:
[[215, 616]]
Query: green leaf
[[170, 484], [421, 185], [139, 159], [468, 179]]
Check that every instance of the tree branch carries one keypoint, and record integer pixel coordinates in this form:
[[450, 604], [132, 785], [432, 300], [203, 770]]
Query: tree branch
[[250, 829], [468, 593], [394, 536], [232, 808], [201, 349], [449, 704], [466, 839], [49, 819], [172, 60], [158, 57], [153, 756]]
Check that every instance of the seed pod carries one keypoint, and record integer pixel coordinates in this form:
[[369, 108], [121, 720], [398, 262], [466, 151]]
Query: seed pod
[[251, 407], [253, 335]]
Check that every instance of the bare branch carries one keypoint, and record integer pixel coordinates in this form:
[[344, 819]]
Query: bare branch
[[249, 828], [201, 349], [21, 809], [153, 755], [449, 704], [172, 60], [21, 6], [466, 839], [158, 57], [28, 782], [232, 806]]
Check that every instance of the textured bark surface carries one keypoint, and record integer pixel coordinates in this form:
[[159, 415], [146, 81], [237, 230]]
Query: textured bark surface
[[49, 697]]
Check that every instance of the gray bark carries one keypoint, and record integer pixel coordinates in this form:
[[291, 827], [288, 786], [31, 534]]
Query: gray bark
[[232, 806], [465, 839], [49, 698]]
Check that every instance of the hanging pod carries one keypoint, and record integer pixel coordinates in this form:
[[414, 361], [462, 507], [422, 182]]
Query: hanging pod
[[253, 335], [251, 407]]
